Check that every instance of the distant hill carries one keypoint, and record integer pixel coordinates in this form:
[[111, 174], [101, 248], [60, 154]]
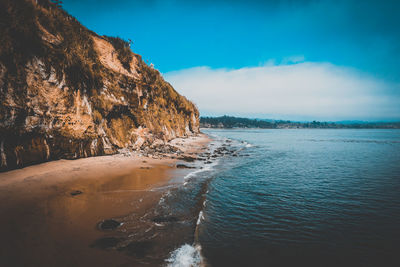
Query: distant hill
[[235, 122]]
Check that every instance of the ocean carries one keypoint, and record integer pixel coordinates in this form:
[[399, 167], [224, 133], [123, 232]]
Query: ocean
[[288, 197]]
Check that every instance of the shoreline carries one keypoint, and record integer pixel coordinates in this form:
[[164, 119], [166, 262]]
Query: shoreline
[[51, 211]]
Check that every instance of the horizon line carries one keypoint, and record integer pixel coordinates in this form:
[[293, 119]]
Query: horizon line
[[305, 121]]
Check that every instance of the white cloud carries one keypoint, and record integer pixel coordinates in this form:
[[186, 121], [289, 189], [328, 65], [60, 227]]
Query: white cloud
[[302, 90]]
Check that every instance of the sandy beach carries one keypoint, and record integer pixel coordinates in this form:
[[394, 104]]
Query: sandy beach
[[51, 213]]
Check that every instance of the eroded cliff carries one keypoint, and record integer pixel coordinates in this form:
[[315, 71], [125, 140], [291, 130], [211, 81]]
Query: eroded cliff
[[67, 92]]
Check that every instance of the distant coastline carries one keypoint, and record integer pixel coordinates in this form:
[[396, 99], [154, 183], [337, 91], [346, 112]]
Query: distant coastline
[[237, 122]]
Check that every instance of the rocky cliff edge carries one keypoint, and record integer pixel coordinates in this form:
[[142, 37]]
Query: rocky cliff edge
[[66, 92]]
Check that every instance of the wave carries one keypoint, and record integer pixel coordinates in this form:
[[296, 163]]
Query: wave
[[189, 255], [186, 256], [201, 217], [205, 168]]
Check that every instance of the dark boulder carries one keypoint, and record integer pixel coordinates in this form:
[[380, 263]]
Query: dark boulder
[[76, 192], [110, 224]]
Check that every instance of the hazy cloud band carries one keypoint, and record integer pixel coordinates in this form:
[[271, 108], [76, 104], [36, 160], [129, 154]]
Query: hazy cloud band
[[294, 91]]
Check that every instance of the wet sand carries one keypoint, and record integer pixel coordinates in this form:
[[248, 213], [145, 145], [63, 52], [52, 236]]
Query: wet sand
[[50, 213]]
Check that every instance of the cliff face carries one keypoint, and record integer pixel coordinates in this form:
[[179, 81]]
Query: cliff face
[[67, 92]]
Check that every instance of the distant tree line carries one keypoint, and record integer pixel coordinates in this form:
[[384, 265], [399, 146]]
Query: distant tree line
[[235, 122]]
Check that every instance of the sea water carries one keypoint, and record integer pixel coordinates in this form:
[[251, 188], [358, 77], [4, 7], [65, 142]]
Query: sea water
[[291, 197]]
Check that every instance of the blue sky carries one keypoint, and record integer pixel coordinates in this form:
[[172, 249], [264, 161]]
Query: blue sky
[[348, 42]]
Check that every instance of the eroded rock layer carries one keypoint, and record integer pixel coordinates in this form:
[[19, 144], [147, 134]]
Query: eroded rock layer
[[67, 92]]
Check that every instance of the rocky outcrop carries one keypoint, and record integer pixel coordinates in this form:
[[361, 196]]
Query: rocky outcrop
[[67, 92]]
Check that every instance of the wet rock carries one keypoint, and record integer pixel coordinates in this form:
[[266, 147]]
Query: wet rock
[[109, 224], [76, 192], [183, 166], [187, 158], [106, 243]]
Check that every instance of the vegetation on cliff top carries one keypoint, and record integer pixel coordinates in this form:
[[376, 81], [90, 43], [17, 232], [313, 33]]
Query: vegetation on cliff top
[[68, 47]]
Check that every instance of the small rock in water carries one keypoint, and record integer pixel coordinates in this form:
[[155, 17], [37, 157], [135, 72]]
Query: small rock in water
[[187, 158], [76, 192], [109, 224]]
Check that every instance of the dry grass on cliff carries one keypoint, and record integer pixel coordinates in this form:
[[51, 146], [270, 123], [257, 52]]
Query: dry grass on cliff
[[25, 40], [124, 52]]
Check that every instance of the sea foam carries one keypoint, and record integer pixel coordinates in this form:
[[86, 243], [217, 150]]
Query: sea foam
[[186, 256]]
